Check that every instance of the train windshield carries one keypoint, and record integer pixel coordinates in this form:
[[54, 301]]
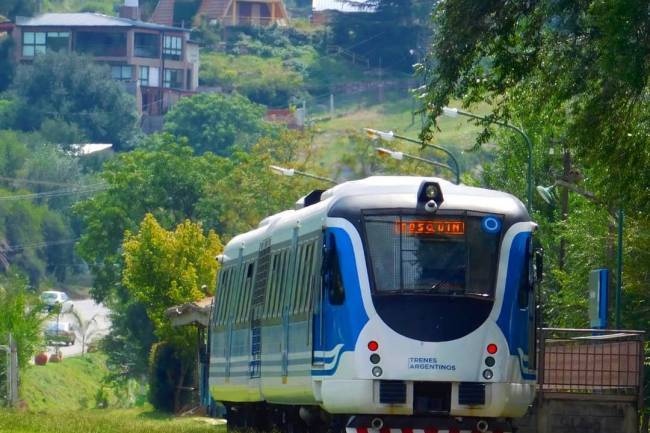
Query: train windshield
[[447, 255]]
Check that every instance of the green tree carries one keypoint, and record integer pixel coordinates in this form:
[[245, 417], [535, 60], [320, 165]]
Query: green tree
[[13, 154], [247, 190], [167, 268], [570, 66], [7, 66], [264, 81], [11, 8], [160, 177], [20, 315], [74, 90], [216, 123], [389, 33]]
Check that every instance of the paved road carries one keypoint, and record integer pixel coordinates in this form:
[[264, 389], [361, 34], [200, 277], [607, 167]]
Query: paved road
[[87, 309]]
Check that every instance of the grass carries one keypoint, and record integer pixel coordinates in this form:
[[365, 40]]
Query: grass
[[395, 114], [59, 398], [69, 385], [103, 421]]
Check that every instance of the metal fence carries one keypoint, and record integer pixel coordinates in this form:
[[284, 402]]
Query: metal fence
[[9, 373], [591, 364]]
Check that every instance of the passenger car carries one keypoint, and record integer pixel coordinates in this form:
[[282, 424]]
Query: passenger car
[[51, 298], [59, 332]]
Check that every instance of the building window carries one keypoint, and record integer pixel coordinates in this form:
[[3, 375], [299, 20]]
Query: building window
[[144, 75], [172, 47], [41, 42], [121, 72], [57, 41], [173, 79], [33, 43], [101, 44], [147, 45]]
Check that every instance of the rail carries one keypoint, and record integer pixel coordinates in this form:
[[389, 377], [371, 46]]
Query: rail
[[591, 364]]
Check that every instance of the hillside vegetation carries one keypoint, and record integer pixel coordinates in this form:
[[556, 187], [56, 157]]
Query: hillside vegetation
[[103, 421], [68, 385]]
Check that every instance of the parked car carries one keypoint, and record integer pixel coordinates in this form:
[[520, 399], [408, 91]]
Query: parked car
[[51, 298], [60, 332]]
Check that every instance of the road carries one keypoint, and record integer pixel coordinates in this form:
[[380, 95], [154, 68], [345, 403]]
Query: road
[[87, 309]]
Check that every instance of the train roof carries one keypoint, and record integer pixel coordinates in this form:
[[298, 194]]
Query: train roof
[[381, 192]]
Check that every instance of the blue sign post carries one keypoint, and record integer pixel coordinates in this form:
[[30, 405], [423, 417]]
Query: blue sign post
[[598, 289]]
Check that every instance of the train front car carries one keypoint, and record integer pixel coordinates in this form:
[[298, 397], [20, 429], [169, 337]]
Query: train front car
[[387, 302], [428, 315]]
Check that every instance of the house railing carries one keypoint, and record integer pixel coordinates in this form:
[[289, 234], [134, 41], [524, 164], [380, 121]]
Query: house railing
[[593, 364]]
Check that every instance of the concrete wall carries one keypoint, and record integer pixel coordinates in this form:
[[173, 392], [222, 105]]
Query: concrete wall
[[580, 416]]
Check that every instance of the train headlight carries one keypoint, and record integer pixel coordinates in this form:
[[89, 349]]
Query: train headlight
[[487, 374], [489, 361], [431, 191], [377, 371], [375, 358]]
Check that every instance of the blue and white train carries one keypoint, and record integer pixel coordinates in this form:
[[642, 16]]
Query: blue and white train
[[382, 303]]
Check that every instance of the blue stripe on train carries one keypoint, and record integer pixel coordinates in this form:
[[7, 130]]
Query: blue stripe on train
[[513, 321], [342, 324]]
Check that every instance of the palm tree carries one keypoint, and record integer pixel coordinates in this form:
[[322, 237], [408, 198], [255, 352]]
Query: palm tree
[[85, 329]]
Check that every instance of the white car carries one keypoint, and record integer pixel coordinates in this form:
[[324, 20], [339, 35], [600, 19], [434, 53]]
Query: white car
[[52, 298]]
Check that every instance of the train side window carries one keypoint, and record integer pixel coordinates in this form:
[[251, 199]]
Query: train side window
[[332, 281], [237, 293], [305, 278], [286, 280], [309, 282], [526, 277], [215, 304], [299, 270], [223, 295], [272, 286], [245, 289], [279, 286]]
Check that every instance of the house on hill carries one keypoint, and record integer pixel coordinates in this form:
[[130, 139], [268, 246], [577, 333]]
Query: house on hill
[[228, 12], [158, 64]]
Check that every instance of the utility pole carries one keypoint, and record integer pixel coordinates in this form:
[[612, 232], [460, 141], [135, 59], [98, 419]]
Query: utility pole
[[13, 372], [564, 202]]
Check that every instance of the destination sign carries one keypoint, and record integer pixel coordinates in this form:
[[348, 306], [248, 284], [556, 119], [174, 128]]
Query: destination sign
[[414, 228]]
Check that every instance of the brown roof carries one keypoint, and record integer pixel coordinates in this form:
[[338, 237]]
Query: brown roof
[[191, 313], [214, 9], [164, 13]]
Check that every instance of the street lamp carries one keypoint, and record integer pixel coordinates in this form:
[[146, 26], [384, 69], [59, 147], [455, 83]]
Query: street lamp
[[546, 193], [399, 156], [390, 136], [455, 112], [291, 172]]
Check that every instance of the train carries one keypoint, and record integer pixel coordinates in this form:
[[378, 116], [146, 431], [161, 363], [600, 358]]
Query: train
[[390, 302]]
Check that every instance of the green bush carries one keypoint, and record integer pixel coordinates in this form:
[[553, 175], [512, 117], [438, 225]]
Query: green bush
[[165, 367], [265, 81]]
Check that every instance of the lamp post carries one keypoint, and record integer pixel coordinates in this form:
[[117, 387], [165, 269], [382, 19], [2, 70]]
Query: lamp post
[[546, 193], [390, 136], [455, 112], [399, 156], [292, 172]]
